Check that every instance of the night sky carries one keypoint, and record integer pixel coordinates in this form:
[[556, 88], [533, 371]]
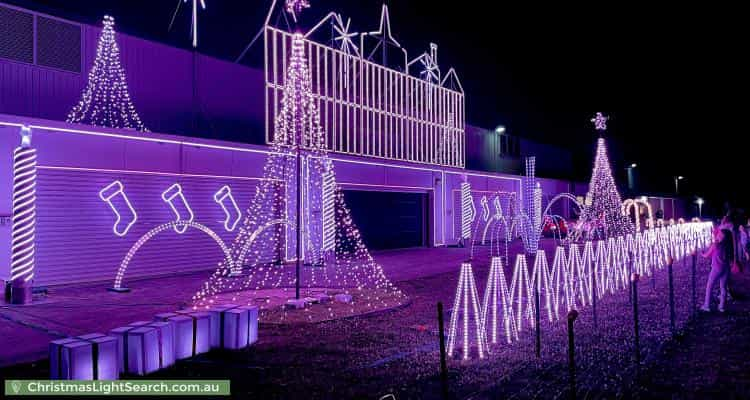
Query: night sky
[[668, 76]]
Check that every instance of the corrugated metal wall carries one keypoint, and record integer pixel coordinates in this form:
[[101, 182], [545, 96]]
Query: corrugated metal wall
[[174, 90], [74, 226]]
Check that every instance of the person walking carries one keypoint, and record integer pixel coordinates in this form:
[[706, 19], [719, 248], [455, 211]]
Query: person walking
[[721, 253]]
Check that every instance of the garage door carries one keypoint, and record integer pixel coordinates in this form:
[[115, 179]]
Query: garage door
[[389, 220]]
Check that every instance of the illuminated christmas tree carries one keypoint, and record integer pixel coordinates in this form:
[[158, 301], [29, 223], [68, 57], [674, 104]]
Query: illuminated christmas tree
[[299, 182], [106, 101], [602, 215]]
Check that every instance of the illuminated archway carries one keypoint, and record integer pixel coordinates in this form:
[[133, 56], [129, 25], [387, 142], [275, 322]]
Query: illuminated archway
[[237, 265], [560, 197], [184, 225]]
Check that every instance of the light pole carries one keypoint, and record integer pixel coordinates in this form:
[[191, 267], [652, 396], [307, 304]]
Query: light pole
[[631, 177], [677, 180], [700, 202]]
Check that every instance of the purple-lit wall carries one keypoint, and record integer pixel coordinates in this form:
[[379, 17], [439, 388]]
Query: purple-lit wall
[[174, 90], [75, 241]]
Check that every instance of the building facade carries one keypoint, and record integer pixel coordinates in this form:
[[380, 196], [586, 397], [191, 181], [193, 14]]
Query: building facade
[[400, 146]]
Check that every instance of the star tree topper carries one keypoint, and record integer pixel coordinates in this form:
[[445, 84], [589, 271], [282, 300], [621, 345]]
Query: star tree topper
[[294, 7], [600, 121]]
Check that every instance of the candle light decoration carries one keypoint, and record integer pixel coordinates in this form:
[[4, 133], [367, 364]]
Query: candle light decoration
[[106, 101]]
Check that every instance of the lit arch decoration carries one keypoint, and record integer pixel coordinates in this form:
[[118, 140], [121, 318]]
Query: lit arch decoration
[[216, 282], [561, 196], [237, 263], [184, 225], [630, 204]]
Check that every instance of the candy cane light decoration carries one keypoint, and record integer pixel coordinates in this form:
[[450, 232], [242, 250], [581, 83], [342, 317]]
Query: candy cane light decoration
[[24, 219]]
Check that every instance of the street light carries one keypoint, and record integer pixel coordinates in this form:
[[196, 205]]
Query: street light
[[700, 202], [677, 180], [500, 129], [631, 178]]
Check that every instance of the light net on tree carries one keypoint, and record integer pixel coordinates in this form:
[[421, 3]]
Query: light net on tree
[[262, 270]]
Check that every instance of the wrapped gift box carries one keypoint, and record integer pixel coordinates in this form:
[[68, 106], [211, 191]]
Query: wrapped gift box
[[217, 316], [234, 329], [136, 341], [201, 332], [143, 350], [252, 323], [183, 336], [164, 316], [70, 359], [216, 322], [104, 354], [165, 335], [202, 328]]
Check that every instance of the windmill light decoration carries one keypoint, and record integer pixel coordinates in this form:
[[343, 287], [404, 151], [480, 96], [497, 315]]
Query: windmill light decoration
[[344, 37]]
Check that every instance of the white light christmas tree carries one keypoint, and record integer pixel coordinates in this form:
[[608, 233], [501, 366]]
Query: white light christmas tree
[[602, 215], [335, 257], [105, 100]]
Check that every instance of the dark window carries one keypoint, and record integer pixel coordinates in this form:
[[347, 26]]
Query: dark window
[[58, 44], [16, 35]]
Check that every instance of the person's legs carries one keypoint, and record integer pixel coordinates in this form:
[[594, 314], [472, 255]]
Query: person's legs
[[723, 278], [712, 277]]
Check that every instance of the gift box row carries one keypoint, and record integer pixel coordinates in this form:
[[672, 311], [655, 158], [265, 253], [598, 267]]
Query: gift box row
[[146, 346]]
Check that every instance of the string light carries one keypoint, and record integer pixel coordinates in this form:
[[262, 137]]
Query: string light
[[571, 279], [177, 226], [542, 281], [466, 310], [116, 189], [497, 302], [520, 293], [602, 217], [264, 239], [468, 211], [24, 213], [106, 101], [600, 121], [295, 7], [170, 196], [231, 211]]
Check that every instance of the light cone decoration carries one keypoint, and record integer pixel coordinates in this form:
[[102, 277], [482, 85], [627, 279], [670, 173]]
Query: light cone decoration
[[497, 305], [467, 324], [521, 294], [106, 101], [542, 281], [336, 261]]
